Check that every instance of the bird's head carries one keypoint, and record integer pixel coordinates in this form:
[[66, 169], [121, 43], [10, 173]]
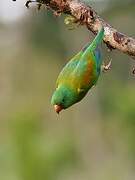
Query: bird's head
[[62, 98]]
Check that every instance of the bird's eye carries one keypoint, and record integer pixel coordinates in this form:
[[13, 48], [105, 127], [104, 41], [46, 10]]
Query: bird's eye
[[63, 100]]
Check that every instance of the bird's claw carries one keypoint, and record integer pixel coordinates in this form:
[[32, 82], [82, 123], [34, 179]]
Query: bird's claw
[[133, 71], [39, 4], [27, 3], [57, 13], [106, 67]]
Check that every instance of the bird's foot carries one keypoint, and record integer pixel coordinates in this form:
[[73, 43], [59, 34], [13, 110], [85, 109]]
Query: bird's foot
[[38, 2], [133, 71], [106, 67], [71, 22], [29, 2]]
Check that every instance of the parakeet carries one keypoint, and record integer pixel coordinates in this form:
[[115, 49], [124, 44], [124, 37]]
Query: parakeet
[[78, 75]]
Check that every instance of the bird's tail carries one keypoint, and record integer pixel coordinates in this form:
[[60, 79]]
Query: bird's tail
[[98, 39]]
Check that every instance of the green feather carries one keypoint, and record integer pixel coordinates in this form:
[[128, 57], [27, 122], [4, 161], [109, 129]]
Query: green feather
[[79, 74]]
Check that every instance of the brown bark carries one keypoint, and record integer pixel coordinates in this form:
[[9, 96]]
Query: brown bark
[[86, 15]]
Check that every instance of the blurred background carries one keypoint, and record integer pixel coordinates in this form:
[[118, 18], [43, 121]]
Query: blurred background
[[94, 139]]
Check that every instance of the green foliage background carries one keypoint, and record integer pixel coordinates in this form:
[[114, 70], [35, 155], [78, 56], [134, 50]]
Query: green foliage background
[[92, 140]]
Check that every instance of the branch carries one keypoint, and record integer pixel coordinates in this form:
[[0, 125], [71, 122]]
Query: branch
[[86, 15]]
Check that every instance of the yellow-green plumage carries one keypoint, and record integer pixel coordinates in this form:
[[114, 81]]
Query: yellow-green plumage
[[79, 75]]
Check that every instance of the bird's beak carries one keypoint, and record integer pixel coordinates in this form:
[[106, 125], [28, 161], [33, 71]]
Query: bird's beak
[[58, 108]]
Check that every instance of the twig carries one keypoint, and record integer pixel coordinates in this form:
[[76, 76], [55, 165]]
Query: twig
[[86, 15]]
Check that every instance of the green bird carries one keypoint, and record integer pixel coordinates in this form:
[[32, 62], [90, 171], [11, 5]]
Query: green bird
[[79, 75]]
